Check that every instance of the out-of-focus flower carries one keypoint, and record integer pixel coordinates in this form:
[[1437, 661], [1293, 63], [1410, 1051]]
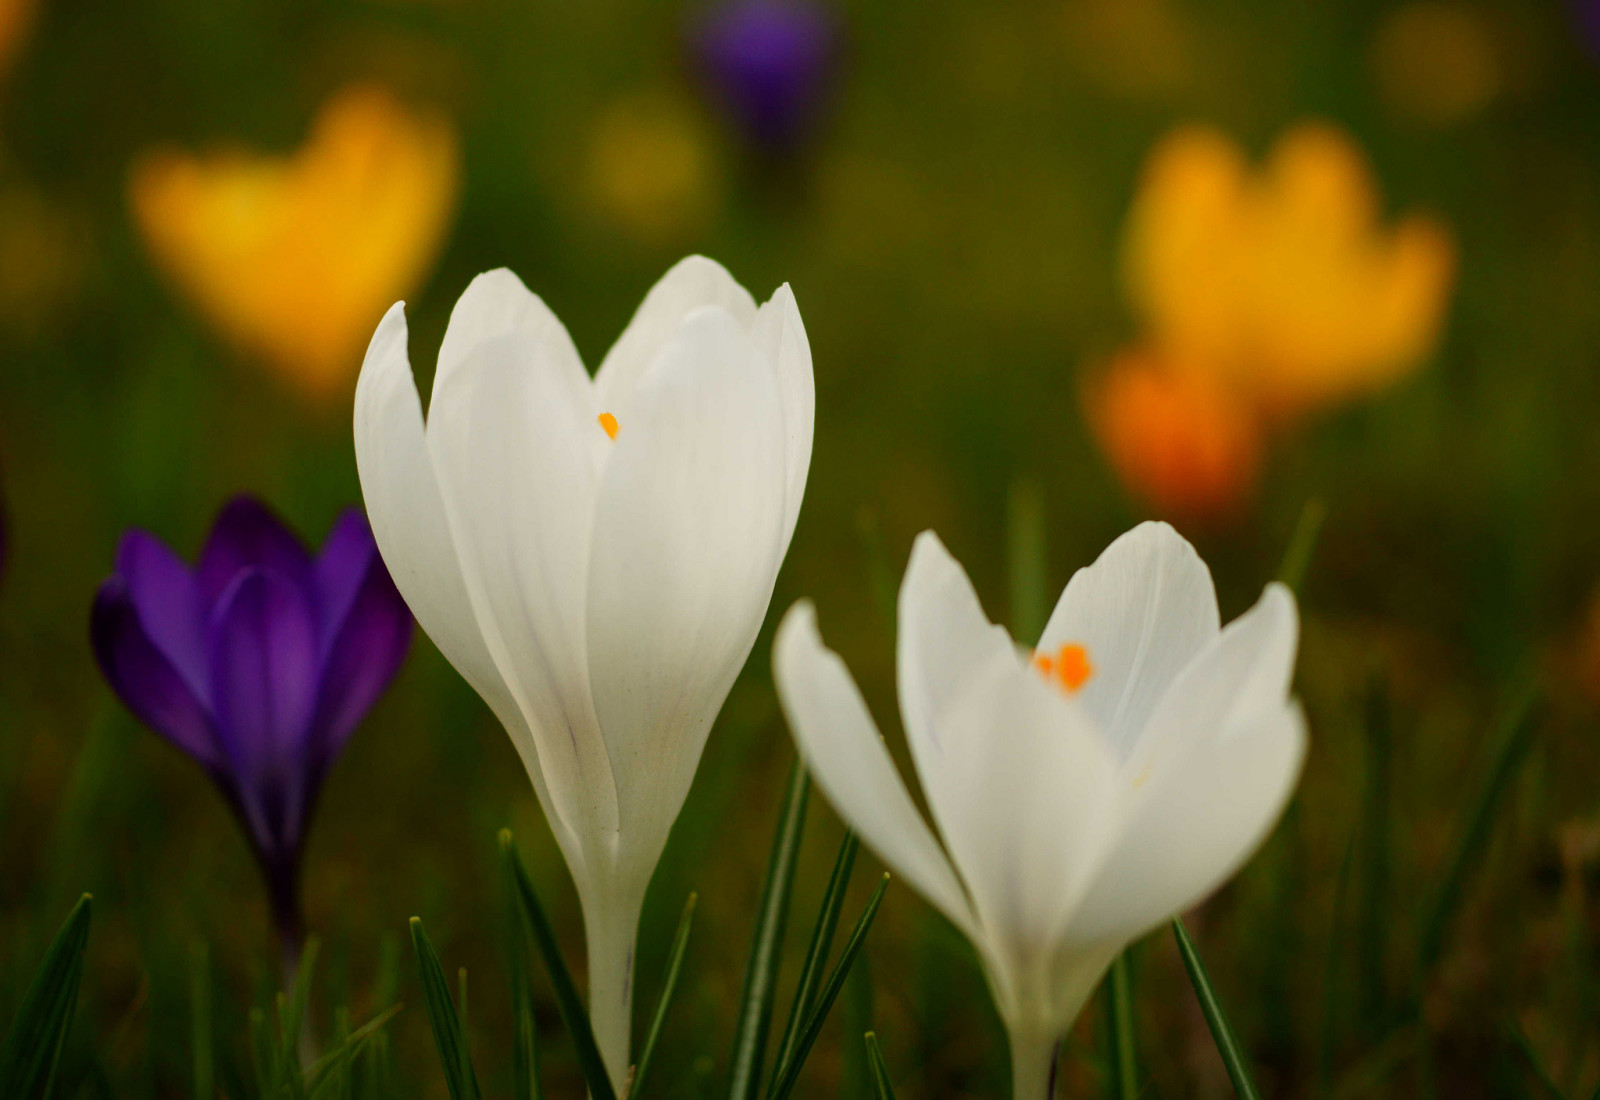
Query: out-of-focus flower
[[15, 18], [45, 251], [651, 170], [258, 663], [1281, 281], [1136, 48], [769, 65], [1084, 793], [294, 258], [1586, 14], [1436, 62], [595, 557], [1178, 438]]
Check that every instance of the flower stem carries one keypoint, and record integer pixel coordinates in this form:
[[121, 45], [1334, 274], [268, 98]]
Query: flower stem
[[611, 930], [1033, 1065]]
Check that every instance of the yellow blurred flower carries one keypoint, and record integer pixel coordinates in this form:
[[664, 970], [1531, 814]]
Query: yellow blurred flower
[[650, 168], [1177, 438], [296, 258], [1281, 281]]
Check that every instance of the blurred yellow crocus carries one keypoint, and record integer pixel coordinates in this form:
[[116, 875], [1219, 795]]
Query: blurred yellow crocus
[[1281, 282], [294, 258]]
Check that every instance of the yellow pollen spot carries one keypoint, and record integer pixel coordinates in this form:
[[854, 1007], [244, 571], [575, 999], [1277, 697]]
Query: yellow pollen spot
[[609, 423], [1068, 668]]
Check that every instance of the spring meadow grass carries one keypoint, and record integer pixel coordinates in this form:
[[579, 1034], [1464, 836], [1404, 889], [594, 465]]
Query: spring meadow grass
[[1318, 282]]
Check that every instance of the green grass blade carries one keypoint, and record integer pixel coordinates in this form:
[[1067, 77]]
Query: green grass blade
[[263, 1054], [1515, 728], [321, 1080], [882, 1088], [447, 1033], [1122, 1082], [1535, 1063], [1026, 562], [811, 971], [789, 1073], [1372, 925], [1328, 1032], [525, 1036], [573, 1014], [680, 944], [1227, 1046], [292, 1011], [761, 972], [205, 1087], [1297, 556], [28, 1058]]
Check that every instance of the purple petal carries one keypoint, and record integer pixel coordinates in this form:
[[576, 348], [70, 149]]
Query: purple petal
[[769, 62], [167, 600], [246, 535], [343, 565], [145, 680], [263, 645], [365, 656]]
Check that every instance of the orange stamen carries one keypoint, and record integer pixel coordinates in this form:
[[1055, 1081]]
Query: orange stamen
[[1069, 668], [609, 423]]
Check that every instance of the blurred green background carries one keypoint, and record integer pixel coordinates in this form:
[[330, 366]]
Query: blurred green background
[[951, 230]]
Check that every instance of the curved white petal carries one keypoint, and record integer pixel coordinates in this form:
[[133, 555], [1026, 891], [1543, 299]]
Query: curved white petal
[[1142, 610], [1245, 670], [1031, 808], [1195, 826], [779, 330], [408, 522], [944, 641], [687, 541], [512, 445], [689, 284], [842, 747], [494, 304]]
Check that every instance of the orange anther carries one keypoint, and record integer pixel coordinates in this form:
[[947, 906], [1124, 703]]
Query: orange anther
[[1069, 668], [609, 423]]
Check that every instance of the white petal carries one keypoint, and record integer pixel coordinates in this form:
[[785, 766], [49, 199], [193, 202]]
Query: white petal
[[847, 757], [944, 642], [687, 542], [1195, 826], [1030, 808], [779, 330], [408, 522], [512, 445], [495, 304], [1142, 610], [691, 283]]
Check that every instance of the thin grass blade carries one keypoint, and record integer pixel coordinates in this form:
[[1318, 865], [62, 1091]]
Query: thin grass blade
[[1026, 561], [789, 1073], [1302, 544], [680, 944], [447, 1031], [573, 1014], [761, 972], [811, 971], [1122, 1080], [1535, 1063], [1372, 925], [1514, 733], [882, 1088], [525, 1039], [205, 1087], [1217, 1020], [28, 1058], [320, 1078], [292, 1011]]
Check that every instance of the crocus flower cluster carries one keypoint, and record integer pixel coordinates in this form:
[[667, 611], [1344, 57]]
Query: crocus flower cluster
[[295, 258], [1086, 791], [258, 663], [1265, 295], [595, 556]]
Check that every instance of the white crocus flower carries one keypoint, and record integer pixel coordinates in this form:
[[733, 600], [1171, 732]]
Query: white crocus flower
[[595, 556], [1085, 792]]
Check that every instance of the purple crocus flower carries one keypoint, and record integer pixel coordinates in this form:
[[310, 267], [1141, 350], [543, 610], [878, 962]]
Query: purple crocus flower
[[258, 663], [1586, 14], [769, 63]]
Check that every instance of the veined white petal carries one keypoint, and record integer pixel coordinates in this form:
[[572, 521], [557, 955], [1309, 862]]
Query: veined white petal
[[847, 757], [689, 284], [497, 303], [687, 541], [408, 522], [1196, 824], [1243, 671], [1031, 808], [512, 447], [779, 330], [944, 641], [1142, 611]]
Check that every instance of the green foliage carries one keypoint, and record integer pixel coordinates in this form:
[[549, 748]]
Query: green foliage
[[448, 1032], [32, 1049]]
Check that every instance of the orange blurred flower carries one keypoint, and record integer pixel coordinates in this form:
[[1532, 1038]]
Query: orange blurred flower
[[15, 18], [295, 258], [1282, 281], [1265, 294], [1177, 438]]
